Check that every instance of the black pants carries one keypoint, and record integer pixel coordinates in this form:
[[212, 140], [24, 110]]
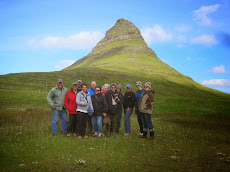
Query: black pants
[[90, 126], [139, 119], [81, 123], [72, 126]]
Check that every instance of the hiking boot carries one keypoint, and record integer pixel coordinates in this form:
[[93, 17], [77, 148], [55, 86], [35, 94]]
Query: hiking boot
[[141, 134], [151, 136], [68, 135], [144, 134]]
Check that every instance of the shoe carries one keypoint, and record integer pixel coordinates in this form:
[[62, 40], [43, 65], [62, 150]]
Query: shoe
[[151, 136], [127, 134], [74, 134], [141, 134], [55, 134], [79, 137], [99, 135], [144, 134], [68, 135], [95, 135], [85, 136]]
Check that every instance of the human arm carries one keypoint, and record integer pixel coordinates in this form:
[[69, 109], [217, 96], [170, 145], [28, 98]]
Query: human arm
[[49, 98]]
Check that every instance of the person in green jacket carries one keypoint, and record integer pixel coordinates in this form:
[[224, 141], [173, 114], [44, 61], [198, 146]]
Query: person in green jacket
[[55, 99]]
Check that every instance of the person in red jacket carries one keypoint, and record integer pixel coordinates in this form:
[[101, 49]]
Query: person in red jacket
[[71, 105]]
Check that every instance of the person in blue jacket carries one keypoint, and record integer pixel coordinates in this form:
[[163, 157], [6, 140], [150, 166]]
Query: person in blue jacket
[[138, 113]]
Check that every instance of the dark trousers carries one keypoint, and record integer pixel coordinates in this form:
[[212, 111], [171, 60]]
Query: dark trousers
[[81, 123], [72, 126], [90, 126], [119, 114], [139, 119], [113, 120]]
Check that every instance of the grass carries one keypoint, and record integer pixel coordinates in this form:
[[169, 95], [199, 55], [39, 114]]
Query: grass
[[186, 139]]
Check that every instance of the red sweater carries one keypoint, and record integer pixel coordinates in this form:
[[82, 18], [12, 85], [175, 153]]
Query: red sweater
[[70, 102]]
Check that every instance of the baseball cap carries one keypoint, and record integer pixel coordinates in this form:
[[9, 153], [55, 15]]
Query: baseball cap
[[59, 80], [128, 86]]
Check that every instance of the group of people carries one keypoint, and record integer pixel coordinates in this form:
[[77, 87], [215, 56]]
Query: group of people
[[98, 106]]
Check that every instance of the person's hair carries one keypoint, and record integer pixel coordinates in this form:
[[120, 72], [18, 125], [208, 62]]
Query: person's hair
[[106, 85], [97, 87], [83, 84]]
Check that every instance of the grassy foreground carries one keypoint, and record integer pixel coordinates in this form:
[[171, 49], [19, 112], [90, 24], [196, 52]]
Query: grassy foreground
[[187, 139]]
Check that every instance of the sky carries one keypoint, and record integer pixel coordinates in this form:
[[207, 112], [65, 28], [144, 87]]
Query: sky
[[45, 35]]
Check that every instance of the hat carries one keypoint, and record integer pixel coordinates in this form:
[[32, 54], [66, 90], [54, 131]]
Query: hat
[[79, 81], [74, 83], [59, 80], [113, 84], [119, 86], [128, 86], [138, 83], [148, 84]]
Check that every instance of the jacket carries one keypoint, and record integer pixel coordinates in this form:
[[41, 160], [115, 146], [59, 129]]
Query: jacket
[[82, 99], [99, 104], [91, 91], [129, 100], [56, 97], [146, 102], [138, 96], [111, 108], [70, 102]]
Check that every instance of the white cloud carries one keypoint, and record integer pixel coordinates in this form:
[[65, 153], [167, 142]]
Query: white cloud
[[155, 34], [82, 40], [183, 28], [218, 69], [202, 13], [204, 39], [63, 64], [216, 82]]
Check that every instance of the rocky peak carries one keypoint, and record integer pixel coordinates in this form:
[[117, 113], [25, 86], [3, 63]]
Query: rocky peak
[[122, 30]]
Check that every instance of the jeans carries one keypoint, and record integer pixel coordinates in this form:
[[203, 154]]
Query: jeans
[[119, 114], [54, 118], [147, 122], [97, 123], [139, 119], [127, 121]]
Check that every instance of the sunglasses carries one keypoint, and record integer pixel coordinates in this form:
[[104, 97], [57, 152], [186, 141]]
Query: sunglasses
[[98, 90]]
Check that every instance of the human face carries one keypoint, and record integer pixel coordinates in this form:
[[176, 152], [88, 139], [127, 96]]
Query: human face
[[60, 84], [74, 87], [106, 89], [93, 85], [79, 84], [146, 88], [118, 90], [129, 89], [139, 87], [113, 88], [84, 88], [97, 91]]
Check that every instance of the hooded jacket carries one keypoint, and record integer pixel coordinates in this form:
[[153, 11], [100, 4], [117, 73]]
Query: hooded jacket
[[70, 102], [146, 102], [99, 104], [56, 97], [82, 99]]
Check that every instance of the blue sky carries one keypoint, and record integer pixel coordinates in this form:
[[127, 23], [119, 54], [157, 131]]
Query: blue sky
[[44, 35]]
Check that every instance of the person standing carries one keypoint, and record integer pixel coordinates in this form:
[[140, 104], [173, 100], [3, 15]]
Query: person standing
[[83, 102], [112, 99], [119, 108], [79, 82], [91, 91], [129, 103], [55, 99], [105, 89], [145, 107], [138, 113], [71, 106], [100, 108]]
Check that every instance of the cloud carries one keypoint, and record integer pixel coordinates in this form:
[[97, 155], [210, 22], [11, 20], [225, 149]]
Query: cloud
[[216, 82], [82, 40], [202, 13], [204, 39], [63, 64], [155, 34], [183, 28], [218, 69]]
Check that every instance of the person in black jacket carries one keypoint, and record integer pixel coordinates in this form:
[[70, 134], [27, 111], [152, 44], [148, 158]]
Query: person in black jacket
[[119, 108], [112, 100], [129, 103], [100, 108]]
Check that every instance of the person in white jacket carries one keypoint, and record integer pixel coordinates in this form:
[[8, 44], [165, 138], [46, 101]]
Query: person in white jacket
[[83, 100]]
